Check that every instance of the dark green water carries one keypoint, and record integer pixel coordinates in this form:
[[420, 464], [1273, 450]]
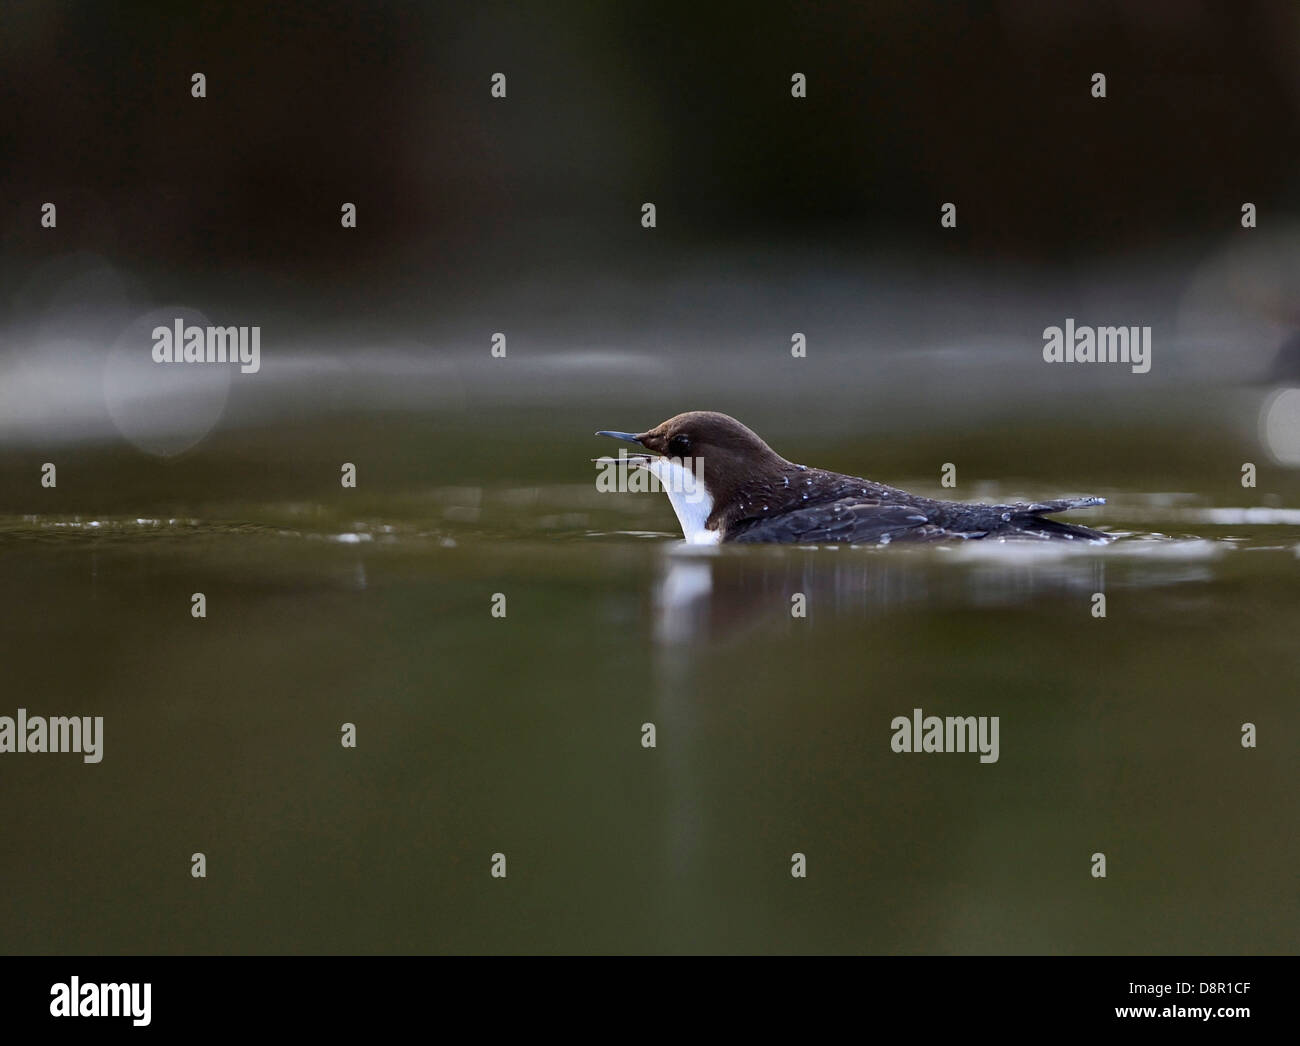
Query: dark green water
[[522, 735]]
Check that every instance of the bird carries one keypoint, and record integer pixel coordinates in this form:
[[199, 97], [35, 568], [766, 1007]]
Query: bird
[[728, 486]]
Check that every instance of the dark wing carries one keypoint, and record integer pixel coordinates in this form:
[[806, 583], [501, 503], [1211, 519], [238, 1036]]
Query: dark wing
[[851, 520], [899, 517], [1027, 519], [1038, 508]]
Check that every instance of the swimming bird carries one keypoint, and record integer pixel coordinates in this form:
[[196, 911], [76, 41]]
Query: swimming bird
[[727, 485]]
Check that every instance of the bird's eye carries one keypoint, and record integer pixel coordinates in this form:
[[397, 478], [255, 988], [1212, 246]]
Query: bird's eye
[[679, 446]]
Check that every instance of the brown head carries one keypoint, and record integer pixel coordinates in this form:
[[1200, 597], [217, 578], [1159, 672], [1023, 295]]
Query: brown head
[[732, 459]]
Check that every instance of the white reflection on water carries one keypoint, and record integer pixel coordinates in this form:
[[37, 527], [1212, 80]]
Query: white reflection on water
[[681, 598], [709, 598], [704, 595]]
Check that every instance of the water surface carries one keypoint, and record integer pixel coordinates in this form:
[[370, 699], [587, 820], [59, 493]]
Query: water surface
[[522, 734]]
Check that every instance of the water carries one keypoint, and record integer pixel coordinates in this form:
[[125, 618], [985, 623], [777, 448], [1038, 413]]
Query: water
[[522, 734]]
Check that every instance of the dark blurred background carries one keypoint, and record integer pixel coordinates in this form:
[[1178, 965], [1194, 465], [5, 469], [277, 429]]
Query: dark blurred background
[[775, 214], [387, 105]]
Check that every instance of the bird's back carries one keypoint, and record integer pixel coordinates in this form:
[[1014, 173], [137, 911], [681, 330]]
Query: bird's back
[[821, 507]]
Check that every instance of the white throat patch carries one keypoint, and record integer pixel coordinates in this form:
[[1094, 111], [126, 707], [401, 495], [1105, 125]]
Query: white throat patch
[[690, 499]]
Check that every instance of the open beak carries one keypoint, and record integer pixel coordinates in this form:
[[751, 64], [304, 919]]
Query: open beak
[[636, 460]]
